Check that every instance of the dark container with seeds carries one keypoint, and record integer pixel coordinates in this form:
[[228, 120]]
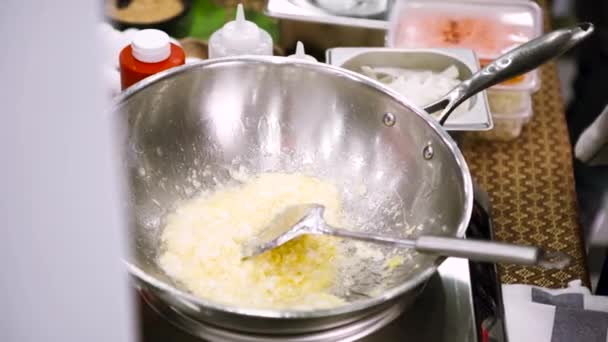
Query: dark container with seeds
[[172, 16]]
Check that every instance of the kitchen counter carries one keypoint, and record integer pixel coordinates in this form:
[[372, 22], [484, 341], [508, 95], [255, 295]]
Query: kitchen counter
[[531, 185]]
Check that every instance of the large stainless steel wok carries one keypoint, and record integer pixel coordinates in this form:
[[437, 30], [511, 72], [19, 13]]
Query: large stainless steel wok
[[277, 114]]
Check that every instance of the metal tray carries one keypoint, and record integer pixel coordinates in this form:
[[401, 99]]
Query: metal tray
[[477, 118], [375, 17]]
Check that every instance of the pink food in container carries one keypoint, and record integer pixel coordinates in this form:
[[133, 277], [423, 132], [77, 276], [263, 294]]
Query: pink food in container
[[486, 36], [490, 28]]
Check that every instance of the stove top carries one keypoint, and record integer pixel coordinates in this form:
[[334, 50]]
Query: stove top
[[461, 302]]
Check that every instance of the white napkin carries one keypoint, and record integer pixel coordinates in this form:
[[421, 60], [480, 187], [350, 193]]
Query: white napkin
[[592, 146], [564, 315]]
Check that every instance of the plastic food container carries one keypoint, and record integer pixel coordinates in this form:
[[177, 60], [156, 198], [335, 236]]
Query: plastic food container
[[508, 126], [508, 102], [490, 28]]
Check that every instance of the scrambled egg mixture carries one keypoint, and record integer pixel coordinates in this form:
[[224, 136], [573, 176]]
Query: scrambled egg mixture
[[202, 245]]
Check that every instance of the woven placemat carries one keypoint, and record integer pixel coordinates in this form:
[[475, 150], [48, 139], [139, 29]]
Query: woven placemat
[[531, 185]]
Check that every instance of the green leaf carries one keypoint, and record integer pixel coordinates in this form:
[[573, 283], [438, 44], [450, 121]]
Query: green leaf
[[207, 17]]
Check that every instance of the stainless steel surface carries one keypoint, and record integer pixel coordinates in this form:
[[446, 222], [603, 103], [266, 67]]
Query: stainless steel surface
[[350, 332], [349, 8], [298, 220], [478, 116], [518, 61], [479, 250], [374, 16], [280, 114], [427, 152], [389, 119], [443, 312], [320, 29]]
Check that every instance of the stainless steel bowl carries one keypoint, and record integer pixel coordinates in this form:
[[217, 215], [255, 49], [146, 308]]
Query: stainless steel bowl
[[279, 114]]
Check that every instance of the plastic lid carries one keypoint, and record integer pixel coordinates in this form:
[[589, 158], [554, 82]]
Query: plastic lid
[[301, 54], [523, 114], [151, 46], [240, 37], [354, 8], [490, 28]]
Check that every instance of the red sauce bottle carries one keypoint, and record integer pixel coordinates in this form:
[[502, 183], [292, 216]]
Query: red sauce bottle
[[150, 52]]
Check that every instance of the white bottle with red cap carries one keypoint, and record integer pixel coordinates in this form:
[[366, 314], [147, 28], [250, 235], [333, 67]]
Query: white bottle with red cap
[[150, 52], [240, 37]]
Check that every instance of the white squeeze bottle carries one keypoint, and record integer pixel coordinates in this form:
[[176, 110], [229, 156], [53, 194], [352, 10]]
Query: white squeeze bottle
[[301, 54], [239, 37]]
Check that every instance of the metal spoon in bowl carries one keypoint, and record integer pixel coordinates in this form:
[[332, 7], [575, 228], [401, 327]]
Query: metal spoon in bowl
[[303, 219]]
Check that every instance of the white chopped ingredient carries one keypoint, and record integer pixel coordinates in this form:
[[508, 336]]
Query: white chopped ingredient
[[421, 87], [202, 240], [507, 102], [201, 244]]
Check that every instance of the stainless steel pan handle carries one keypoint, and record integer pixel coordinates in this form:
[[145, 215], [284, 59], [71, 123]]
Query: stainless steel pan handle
[[520, 60], [478, 250], [488, 251]]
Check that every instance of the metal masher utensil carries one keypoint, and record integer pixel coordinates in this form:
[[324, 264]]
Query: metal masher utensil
[[298, 220]]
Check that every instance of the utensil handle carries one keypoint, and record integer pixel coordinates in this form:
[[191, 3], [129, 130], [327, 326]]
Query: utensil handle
[[385, 240], [489, 251], [518, 61], [478, 250]]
